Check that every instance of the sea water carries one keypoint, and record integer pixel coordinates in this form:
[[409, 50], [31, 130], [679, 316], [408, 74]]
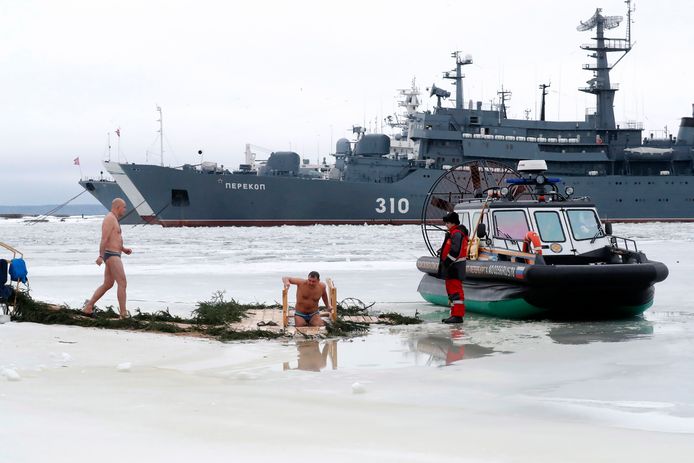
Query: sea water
[[633, 373]]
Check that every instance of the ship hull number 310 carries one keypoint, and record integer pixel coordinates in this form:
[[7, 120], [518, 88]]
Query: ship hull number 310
[[392, 205]]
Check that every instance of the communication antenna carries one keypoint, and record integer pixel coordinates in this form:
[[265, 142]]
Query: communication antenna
[[161, 135]]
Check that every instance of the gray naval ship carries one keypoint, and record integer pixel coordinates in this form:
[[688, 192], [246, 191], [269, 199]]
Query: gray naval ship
[[629, 177], [105, 191]]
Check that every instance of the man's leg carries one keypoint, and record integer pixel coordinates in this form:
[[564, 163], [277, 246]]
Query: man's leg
[[118, 272], [457, 299], [454, 289], [299, 321], [101, 290], [316, 320]]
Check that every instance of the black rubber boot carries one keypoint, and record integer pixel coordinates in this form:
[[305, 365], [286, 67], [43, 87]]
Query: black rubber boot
[[453, 320]]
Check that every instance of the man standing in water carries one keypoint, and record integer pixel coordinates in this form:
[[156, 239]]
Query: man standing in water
[[110, 250], [308, 293]]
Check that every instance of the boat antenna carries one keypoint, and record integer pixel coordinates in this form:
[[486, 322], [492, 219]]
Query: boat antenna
[[544, 88], [161, 135]]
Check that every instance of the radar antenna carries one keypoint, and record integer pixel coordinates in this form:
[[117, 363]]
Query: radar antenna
[[608, 22], [438, 93]]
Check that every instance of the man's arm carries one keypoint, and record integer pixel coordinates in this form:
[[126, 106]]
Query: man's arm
[[456, 246], [291, 280]]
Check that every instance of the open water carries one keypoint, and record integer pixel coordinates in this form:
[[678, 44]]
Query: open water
[[633, 374]]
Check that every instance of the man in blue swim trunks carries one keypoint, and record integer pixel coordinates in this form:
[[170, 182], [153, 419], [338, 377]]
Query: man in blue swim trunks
[[308, 293], [110, 250]]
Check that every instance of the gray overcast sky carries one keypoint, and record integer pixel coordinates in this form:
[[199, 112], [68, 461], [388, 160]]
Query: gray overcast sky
[[294, 74]]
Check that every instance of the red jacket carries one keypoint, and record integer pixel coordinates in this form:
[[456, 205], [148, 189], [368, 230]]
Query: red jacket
[[455, 245]]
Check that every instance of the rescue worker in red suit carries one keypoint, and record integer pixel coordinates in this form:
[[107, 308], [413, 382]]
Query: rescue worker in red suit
[[452, 265]]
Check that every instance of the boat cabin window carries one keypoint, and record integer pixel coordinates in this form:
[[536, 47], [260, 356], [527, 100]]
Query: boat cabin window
[[549, 226], [465, 220], [475, 219], [510, 224], [584, 223]]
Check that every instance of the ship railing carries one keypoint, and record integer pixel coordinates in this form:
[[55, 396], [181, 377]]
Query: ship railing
[[592, 88], [608, 44], [623, 244], [636, 125], [522, 139]]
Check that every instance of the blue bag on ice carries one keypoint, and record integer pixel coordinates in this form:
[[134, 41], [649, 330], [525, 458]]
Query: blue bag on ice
[[18, 270]]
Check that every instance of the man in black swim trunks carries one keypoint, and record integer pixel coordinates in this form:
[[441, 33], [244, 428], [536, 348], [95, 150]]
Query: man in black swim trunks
[[308, 293], [110, 250]]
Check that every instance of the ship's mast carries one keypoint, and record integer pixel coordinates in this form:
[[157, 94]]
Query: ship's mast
[[460, 61], [600, 85], [544, 88], [161, 135], [505, 96]]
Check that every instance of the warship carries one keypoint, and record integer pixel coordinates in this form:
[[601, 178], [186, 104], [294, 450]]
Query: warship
[[628, 177], [105, 191]]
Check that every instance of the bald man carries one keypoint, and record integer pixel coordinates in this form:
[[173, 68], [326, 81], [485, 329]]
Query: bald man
[[110, 250]]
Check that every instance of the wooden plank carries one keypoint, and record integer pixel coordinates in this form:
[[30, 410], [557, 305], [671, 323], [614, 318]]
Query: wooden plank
[[332, 296], [285, 307]]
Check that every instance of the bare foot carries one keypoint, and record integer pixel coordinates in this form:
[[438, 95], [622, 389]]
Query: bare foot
[[88, 310], [124, 315]]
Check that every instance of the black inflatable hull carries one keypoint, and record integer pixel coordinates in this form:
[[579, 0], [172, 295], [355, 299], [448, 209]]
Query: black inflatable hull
[[517, 290]]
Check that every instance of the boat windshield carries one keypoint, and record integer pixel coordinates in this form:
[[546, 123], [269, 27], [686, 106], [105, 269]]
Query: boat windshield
[[510, 224], [584, 223], [549, 226]]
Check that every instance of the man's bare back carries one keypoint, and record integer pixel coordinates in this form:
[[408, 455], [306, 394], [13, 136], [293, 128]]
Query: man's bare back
[[308, 293]]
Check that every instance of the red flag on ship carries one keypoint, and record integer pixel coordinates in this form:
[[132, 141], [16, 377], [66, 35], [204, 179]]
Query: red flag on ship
[[118, 131], [76, 161]]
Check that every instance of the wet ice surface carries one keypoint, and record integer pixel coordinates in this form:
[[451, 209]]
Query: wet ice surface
[[630, 375]]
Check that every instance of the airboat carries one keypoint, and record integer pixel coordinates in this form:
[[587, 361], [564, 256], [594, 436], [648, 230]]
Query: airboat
[[534, 251]]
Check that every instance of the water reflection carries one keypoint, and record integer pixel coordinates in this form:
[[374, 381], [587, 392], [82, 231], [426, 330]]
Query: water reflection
[[311, 358], [391, 347], [448, 347], [605, 331]]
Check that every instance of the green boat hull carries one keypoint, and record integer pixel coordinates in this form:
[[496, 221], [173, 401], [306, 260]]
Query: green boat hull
[[519, 308]]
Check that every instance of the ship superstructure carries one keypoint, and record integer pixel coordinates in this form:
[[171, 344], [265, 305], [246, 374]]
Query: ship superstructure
[[629, 177]]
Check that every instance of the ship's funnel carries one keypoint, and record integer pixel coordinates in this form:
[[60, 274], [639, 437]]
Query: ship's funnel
[[685, 135]]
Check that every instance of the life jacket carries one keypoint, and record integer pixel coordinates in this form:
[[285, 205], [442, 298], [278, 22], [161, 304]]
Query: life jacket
[[18, 270], [446, 249]]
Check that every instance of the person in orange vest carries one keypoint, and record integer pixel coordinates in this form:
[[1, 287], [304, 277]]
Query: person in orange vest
[[452, 265]]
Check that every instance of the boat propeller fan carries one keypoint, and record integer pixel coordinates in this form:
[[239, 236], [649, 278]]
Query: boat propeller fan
[[466, 181]]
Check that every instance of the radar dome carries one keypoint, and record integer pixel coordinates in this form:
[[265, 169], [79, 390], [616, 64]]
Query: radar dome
[[343, 147]]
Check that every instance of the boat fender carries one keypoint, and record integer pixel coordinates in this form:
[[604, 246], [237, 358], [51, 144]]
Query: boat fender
[[532, 238]]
